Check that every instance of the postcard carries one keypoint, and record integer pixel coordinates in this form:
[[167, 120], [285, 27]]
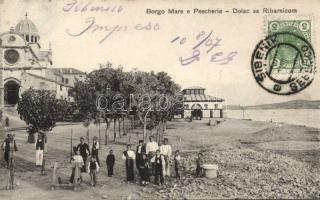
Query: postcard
[[159, 99]]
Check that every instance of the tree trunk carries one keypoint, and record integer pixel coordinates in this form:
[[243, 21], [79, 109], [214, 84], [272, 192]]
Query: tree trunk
[[99, 134], [106, 133], [119, 127], [114, 129], [145, 130], [123, 126], [88, 139]]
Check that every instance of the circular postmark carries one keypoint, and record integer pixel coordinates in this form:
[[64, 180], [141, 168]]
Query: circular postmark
[[283, 63]]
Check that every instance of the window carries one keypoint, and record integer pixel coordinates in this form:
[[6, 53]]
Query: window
[[201, 91], [191, 91], [31, 38], [60, 87], [206, 106], [42, 85], [67, 81], [188, 92], [196, 91], [216, 106], [27, 38], [62, 80]]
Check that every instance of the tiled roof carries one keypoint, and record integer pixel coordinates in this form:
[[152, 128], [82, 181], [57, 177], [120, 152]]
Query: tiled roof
[[68, 70], [47, 79], [201, 98], [194, 87]]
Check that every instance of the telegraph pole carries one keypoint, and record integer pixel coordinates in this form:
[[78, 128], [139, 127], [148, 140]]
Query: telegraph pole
[[1, 81], [2, 134]]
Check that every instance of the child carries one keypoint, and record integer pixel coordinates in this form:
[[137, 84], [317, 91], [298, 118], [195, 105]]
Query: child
[[158, 161], [200, 162], [177, 159], [93, 169], [77, 164], [110, 163], [144, 167]]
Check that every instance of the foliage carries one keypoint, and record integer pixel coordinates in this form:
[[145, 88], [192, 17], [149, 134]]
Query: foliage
[[39, 108], [112, 81]]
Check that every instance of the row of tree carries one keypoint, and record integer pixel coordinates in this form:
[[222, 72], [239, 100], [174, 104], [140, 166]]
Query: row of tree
[[132, 95]]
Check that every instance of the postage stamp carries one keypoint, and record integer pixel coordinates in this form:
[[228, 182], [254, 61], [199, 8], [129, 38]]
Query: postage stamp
[[284, 62]]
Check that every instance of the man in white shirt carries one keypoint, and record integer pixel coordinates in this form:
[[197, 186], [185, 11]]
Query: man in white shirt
[[129, 156], [151, 149], [166, 151]]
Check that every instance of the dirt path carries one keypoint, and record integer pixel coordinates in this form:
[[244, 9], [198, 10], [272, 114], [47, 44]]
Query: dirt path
[[182, 135]]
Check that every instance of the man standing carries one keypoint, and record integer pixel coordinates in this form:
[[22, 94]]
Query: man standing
[[158, 161], [151, 149], [110, 163], [9, 142], [84, 152], [39, 150], [129, 156], [95, 149], [166, 151], [140, 151]]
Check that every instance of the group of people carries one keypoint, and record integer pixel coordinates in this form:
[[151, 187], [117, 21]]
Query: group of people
[[150, 159], [80, 161]]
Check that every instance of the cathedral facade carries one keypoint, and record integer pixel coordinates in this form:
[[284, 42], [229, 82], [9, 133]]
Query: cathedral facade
[[26, 65]]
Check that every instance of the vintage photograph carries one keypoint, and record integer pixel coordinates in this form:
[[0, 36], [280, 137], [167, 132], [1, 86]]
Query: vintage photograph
[[159, 99]]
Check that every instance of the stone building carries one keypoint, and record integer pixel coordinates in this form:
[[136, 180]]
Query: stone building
[[26, 65], [199, 105]]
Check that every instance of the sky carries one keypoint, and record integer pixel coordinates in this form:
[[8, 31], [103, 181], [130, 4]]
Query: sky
[[133, 39]]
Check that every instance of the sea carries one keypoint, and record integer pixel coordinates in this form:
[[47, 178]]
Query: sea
[[307, 117]]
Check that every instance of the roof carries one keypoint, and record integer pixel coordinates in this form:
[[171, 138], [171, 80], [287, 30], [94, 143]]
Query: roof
[[47, 79], [68, 71], [194, 87], [201, 98], [26, 26]]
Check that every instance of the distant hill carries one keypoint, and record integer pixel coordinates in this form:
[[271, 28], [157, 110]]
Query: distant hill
[[295, 104]]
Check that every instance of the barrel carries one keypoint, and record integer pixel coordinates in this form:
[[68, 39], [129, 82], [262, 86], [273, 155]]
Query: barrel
[[210, 170]]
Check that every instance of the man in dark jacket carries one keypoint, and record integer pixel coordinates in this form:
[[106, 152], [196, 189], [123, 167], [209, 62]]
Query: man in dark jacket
[[141, 149], [8, 143], [84, 152]]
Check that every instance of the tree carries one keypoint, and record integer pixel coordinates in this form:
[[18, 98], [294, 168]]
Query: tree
[[159, 89], [38, 108]]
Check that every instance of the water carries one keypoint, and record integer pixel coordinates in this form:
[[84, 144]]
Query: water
[[308, 117]]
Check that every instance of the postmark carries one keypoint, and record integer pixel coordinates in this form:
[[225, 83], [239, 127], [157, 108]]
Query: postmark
[[284, 62]]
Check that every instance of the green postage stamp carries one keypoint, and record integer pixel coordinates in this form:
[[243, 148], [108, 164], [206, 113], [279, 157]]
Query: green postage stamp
[[284, 62]]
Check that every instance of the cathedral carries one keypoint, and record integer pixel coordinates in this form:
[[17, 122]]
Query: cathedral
[[26, 65]]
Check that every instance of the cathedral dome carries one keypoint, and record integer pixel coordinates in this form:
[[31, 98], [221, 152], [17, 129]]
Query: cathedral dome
[[28, 30]]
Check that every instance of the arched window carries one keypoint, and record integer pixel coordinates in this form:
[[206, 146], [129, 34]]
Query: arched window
[[27, 38], [31, 38], [36, 39]]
